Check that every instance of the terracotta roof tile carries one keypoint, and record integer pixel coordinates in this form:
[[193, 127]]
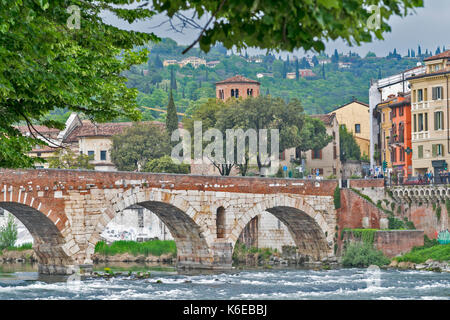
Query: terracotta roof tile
[[327, 119], [88, 129], [237, 79], [442, 55]]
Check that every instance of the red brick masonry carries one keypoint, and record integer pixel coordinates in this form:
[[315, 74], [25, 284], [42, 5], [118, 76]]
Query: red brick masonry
[[396, 242]]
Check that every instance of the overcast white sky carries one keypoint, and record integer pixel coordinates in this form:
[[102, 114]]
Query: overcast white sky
[[429, 27]]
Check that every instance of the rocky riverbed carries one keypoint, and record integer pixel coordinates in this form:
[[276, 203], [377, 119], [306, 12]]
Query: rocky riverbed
[[429, 265]]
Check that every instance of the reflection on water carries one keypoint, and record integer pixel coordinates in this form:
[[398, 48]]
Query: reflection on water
[[166, 283], [18, 267]]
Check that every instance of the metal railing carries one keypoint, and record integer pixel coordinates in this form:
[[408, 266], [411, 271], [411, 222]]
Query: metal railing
[[417, 180]]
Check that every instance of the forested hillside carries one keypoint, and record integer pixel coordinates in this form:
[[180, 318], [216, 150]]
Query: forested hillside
[[332, 85]]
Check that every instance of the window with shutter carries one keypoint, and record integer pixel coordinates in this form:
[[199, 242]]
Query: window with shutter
[[438, 120], [420, 152], [437, 93], [434, 150], [440, 150]]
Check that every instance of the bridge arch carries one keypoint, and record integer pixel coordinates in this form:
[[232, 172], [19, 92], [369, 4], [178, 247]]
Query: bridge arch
[[176, 213], [306, 226], [49, 244]]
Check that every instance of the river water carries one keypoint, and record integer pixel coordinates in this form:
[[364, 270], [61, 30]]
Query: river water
[[23, 282]]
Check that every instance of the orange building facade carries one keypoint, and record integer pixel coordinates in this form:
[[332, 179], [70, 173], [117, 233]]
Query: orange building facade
[[235, 87], [399, 141]]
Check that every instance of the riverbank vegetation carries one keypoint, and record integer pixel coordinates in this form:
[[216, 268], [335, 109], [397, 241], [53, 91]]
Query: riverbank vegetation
[[252, 255], [8, 233], [23, 247], [363, 255], [153, 247], [438, 252], [367, 236]]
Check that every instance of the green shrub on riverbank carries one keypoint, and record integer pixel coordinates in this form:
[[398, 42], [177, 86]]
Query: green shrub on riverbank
[[363, 255], [154, 248], [242, 252], [440, 252], [23, 247], [8, 233]]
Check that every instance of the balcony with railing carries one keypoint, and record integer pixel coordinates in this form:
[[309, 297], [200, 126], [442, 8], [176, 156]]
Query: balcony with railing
[[423, 105], [397, 140], [423, 135]]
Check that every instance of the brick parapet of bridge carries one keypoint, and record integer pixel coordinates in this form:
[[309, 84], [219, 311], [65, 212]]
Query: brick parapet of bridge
[[63, 181], [366, 183], [393, 242]]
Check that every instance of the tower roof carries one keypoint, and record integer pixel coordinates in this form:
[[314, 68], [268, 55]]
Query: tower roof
[[238, 79]]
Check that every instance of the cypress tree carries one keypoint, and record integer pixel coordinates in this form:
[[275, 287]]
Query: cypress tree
[[315, 61], [284, 71], [173, 81], [171, 118], [335, 57], [149, 65], [158, 63]]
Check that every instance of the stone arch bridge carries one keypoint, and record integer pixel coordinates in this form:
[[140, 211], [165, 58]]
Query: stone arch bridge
[[66, 211]]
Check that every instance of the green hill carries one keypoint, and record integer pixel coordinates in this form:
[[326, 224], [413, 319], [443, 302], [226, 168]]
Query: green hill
[[330, 87]]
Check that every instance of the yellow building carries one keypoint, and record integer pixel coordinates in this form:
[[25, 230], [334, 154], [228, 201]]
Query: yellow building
[[430, 116], [355, 116]]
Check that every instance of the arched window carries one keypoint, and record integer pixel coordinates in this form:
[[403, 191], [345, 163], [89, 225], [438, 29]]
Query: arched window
[[220, 222], [232, 92], [236, 91]]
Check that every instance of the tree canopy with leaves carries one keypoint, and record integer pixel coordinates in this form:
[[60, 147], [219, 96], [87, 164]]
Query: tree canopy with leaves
[[262, 112], [165, 164], [286, 25], [349, 148], [67, 159], [137, 145], [46, 63]]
